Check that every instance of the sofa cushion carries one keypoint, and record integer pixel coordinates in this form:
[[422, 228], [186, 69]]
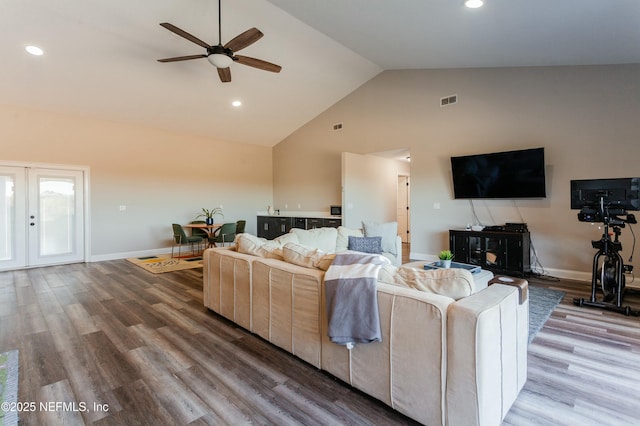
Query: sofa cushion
[[388, 231], [286, 238], [365, 244], [323, 239], [342, 242], [387, 275], [308, 257], [454, 282]]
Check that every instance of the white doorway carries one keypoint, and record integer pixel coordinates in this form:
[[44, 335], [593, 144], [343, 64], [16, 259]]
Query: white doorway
[[403, 210], [42, 216]]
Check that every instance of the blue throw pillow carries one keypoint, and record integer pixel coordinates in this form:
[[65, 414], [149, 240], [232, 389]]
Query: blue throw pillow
[[365, 244]]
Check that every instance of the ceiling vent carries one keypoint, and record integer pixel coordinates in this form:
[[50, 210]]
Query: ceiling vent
[[448, 100]]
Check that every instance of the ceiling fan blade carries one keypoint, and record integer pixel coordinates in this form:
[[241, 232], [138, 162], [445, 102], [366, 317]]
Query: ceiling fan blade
[[225, 74], [258, 63], [184, 34], [182, 58], [243, 40]]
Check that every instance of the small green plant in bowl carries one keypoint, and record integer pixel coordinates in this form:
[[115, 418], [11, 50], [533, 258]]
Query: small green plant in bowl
[[445, 257], [209, 214]]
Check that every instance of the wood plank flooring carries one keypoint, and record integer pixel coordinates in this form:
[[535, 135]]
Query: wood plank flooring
[[110, 344]]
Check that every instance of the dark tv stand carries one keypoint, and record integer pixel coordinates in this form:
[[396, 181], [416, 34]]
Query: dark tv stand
[[501, 252]]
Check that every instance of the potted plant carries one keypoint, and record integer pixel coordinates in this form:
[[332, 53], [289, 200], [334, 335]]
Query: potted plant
[[208, 214], [445, 257]]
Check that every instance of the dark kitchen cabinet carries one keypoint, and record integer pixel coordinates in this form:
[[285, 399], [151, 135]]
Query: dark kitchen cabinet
[[270, 227]]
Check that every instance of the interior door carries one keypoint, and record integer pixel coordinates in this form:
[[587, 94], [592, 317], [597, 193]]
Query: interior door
[[403, 208], [41, 216]]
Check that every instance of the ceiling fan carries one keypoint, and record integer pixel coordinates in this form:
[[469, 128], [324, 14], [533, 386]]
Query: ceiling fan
[[222, 56]]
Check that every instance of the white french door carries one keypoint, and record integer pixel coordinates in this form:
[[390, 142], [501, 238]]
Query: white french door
[[41, 216]]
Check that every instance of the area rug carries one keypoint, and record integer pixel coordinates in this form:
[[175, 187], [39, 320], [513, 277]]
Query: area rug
[[8, 388], [162, 264], [542, 302]]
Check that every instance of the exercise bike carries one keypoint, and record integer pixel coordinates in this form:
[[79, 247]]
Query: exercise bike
[[609, 270]]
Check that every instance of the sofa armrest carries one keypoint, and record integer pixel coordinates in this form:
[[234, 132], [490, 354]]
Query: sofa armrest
[[487, 335], [396, 259], [227, 284], [520, 283]]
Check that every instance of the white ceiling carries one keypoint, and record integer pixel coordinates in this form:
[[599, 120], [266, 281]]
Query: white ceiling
[[100, 55]]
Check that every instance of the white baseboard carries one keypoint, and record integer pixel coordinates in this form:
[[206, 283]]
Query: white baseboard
[[124, 255], [422, 256], [566, 274]]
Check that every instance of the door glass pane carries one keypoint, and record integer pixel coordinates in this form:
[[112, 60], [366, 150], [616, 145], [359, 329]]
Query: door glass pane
[[493, 252], [7, 217], [475, 250], [57, 215]]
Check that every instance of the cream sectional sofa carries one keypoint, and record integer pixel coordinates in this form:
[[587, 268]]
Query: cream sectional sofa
[[457, 359], [329, 240]]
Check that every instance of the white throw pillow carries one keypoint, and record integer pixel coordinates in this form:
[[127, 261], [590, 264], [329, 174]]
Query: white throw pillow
[[308, 257], [249, 244], [388, 231], [321, 238], [454, 282], [271, 250], [255, 246], [342, 241], [325, 261]]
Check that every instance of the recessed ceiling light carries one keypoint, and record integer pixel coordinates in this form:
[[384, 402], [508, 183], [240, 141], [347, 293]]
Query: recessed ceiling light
[[34, 50], [236, 103], [473, 4]]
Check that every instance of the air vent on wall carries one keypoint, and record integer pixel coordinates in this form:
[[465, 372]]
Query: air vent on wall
[[448, 100], [337, 126]]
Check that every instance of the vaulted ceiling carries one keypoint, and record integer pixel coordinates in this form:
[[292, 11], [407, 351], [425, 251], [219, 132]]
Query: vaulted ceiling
[[101, 56]]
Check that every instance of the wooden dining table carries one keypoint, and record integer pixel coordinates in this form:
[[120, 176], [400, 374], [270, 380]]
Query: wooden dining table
[[209, 229]]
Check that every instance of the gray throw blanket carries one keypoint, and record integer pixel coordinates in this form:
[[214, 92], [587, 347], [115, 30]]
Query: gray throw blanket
[[352, 298]]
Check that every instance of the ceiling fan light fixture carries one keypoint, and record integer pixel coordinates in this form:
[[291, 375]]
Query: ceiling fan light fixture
[[219, 60], [473, 4]]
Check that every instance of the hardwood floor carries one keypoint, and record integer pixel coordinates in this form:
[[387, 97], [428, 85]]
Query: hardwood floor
[[583, 366], [109, 343]]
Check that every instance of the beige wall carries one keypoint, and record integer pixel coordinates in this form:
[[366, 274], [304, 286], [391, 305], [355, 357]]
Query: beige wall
[[161, 177], [586, 118]]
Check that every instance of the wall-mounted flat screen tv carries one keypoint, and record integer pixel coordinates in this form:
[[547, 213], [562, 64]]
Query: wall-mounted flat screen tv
[[509, 174]]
